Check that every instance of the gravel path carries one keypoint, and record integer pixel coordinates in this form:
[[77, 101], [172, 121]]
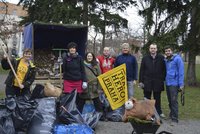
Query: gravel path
[[183, 127]]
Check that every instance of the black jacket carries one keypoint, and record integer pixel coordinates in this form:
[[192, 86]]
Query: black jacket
[[152, 73], [29, 77], [73, 68]]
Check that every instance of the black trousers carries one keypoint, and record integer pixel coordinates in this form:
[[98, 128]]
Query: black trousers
[[81, 102], [16, 91], [156, 96]]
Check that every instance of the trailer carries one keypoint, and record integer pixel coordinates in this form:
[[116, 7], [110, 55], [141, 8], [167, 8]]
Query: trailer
[[49, 42]]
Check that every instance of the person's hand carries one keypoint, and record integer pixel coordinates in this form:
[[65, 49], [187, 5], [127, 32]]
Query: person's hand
[[181, 89], [21, 86], [141, 85], [60, 60], [134, 82], [100, 91], [84, 85], [5, 56]]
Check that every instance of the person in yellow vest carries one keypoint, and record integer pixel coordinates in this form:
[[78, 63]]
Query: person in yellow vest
[[25, 72]]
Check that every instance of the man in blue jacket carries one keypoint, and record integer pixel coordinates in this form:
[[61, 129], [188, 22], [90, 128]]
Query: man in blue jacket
[[131, 67], [174, 81]]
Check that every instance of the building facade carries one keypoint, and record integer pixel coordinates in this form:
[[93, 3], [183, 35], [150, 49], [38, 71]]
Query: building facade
[[10, 31]]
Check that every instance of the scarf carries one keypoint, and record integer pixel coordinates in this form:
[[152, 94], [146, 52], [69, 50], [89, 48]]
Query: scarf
[[88, 64]]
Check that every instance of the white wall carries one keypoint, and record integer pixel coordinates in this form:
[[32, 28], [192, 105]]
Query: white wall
[[198, 60]]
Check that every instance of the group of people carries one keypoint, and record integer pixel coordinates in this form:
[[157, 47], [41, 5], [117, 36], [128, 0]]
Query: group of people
[[157, 70], [81, 73]]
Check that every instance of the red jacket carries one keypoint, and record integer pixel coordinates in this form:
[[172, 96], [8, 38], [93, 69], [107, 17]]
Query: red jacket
[[106, 64]]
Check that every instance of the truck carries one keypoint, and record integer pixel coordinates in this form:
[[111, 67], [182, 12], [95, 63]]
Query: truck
[[49, 42]]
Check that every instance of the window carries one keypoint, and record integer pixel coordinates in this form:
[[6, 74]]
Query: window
[[2, 8], [14, 12]]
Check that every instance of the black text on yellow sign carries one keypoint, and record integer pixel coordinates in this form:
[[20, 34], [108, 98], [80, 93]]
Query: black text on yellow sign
[[114, 85]]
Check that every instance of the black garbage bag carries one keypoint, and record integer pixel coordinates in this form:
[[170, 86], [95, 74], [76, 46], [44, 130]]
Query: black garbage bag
[[38, 92], [6, 123], [10, 103], [115, 115], [68, 112], [45, 117], [104, 100], [3, 103], [92, 118], [20, 132], [23, 112]]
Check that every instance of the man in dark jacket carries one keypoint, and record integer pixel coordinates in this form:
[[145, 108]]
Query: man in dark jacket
[[152, 76], [131, 67]]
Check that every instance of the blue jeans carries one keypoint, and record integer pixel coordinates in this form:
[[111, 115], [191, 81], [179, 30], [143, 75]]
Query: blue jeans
[[172, 96], [130, 89]]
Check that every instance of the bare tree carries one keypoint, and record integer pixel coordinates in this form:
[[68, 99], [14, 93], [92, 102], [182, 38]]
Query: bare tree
[[8, 25]]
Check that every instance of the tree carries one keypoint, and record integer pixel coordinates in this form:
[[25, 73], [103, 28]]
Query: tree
[[99, 14], [193, 42], [103, 14], [8, 26], [52, 11], [175, 22]]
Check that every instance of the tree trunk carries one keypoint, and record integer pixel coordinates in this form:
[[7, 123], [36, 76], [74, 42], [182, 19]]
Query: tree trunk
[[191, 72], [103, 40], [94, 44], [103, 33], [85, 12], [193, 49]]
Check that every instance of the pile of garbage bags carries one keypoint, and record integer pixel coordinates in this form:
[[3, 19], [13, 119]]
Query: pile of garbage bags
[[42, 114]]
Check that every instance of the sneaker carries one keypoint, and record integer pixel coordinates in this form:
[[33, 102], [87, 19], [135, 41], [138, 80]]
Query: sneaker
[[162, 116]]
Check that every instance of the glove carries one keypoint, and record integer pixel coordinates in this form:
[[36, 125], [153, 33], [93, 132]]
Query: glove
[[141, 85], [5, 56], [60, 60], [21, 86], [84, 85], [181, 89], [134, 82]]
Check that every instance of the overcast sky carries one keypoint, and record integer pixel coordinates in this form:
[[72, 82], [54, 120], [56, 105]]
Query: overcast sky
[[134, 20]]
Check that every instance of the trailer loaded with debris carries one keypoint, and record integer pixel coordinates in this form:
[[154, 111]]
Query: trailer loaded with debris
[[49, 42]]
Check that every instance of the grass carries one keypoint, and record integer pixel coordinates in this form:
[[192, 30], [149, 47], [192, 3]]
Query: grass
[[191, 108], [189, 111], [3, 71], [2, 94]]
